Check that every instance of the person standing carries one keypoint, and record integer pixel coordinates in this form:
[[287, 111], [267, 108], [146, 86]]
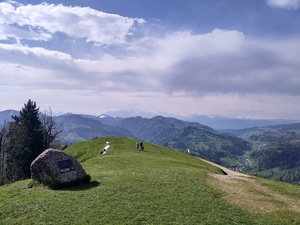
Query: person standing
[[137, 145], [142, 145]]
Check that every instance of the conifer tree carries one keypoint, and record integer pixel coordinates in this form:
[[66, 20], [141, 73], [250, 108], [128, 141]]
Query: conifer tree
[[26, 142], [4, 133]]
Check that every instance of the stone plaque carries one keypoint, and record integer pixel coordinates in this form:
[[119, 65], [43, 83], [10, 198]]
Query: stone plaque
[[56, 168], [65, 166]]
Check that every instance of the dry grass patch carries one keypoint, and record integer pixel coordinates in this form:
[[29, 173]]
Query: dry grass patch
[[246, 192]]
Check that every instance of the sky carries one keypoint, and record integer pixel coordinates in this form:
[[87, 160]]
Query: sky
[[231, 58]]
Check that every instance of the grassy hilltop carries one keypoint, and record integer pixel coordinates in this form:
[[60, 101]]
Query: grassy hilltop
[[154, 186]]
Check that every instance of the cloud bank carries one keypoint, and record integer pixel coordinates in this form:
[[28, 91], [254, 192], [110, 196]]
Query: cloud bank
[[116, 57], [219, 62]]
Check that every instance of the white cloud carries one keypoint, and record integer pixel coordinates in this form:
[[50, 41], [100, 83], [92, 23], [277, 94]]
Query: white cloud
[[225, 62], [289, 4], [220, 62], [7, 32], [78, 22]]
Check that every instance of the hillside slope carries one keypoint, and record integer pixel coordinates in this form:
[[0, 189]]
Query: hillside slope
[[154, 186], [158, 129], [78, 128], [275, 151], [6, 116], [170, 132], [208, 144]]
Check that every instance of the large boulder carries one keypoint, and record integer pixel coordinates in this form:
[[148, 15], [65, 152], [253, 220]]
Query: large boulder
[[57, 169]]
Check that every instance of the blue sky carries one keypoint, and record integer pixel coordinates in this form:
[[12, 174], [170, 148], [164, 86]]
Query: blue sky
[[232, 58]]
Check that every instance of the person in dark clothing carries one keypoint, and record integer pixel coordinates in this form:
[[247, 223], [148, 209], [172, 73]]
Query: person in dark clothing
[[142, 145]]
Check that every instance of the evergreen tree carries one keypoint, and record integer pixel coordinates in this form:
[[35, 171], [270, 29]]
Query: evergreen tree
[[4, 134], [26, 142]]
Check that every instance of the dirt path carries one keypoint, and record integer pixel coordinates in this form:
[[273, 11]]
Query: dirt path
[[230, 173], [247, 192]]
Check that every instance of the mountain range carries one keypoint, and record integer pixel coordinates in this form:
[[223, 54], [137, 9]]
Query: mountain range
[[216, 122], [267, 151]]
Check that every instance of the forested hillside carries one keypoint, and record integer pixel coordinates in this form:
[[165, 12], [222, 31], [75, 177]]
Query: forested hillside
[[218, 147], [275, 151], [79, 128], [278, 160], [158, 129]]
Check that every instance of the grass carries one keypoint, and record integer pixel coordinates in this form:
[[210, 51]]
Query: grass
[[154, 186], [229, 160], [283, 188]]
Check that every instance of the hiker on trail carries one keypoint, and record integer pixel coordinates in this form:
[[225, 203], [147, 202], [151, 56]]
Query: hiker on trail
[[142, 146], [137, 145]]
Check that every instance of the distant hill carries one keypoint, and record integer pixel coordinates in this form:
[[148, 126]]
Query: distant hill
[[209, 144], [216, 122], [6, 116], [105, 119], [224, 123], [268, 134], [202, 140], [278, 160], [278, 128], [158, 129], [79, 128], [155, 130], [275, 151]]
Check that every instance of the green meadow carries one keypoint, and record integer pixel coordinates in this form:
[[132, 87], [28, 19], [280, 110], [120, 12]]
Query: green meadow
[[129, 186]]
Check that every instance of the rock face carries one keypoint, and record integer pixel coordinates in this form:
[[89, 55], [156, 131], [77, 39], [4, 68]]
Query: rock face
[[54, 167]]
